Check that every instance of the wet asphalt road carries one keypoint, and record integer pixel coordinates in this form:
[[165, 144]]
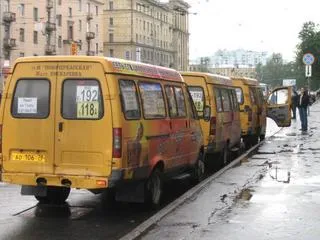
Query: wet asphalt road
[[85, 216]]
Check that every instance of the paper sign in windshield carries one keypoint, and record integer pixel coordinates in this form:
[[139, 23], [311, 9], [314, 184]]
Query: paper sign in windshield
[[197, 97], [88, 110], [27, 105], [87, 93]]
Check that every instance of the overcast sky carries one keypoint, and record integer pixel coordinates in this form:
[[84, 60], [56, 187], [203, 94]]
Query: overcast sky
[[259, 25]]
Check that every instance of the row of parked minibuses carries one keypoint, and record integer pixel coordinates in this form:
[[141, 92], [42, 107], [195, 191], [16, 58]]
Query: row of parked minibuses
[[103, 123]]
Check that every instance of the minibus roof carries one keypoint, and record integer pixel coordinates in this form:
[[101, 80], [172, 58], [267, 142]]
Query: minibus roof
[[246, 80], [210, 78], [114, 65]]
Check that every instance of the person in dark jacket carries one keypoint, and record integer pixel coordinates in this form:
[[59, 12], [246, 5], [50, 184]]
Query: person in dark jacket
[[303, 106], [294, 103]]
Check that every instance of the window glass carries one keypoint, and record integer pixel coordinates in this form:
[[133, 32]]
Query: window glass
[[225, 100], [172, 105], [129, 97], [152, 100], [180, 102], [197, 95], [31, 99], [279, 96], [191, 106], [235, 100], [239, 95], [81, 99], [218, 100], [252, 99]]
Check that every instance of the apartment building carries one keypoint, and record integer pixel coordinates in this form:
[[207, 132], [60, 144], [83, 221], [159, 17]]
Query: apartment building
[[148, 31], [50, 27]]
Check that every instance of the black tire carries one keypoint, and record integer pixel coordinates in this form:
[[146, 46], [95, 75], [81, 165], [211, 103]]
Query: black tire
[[225, 156], [247, 142], [254, 139], [262, 137], [55, 195], [199, 169], [154, 189]]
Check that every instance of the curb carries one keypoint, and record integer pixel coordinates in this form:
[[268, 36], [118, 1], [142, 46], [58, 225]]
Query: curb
[[139, 230]]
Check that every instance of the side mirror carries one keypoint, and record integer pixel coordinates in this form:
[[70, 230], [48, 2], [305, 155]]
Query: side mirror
[[207, 113]]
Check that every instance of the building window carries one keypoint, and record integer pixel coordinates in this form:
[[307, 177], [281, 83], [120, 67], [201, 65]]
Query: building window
[[59, 20], [70, 12], [111, 21], [97, 10], [80, 5], [21, 54], [110, 37], [97, 29], [59, 42], [70, 32], [97, 48], [35, 37], [35, 14], [21, 9], [111, 52], [80, 45], [21, 35], [111, 5], [88, 7], [80, 25], [59, 2]]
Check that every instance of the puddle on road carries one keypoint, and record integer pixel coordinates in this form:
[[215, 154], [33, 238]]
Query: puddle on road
[[245, 194], [56, 211]]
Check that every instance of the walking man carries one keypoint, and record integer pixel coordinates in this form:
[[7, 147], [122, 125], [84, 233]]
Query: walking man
[[303, 106], [294, 102]]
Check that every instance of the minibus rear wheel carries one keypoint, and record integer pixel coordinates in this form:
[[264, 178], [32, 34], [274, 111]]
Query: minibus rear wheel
[[199, 169], [225, 156], [154, 189], [55, 195], [262, 137]]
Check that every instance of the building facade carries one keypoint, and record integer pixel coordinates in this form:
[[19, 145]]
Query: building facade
[[148, 31], [50, 27]]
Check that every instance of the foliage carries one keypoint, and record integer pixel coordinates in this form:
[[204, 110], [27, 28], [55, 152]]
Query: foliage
[[310, 43]]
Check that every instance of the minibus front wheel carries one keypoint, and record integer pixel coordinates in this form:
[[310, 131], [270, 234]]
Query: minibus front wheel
[[55, 195]]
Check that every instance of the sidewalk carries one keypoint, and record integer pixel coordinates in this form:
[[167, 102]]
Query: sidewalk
[[273, 195]]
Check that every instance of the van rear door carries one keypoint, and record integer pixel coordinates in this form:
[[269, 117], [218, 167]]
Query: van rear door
[[279, 106], [83, 123], [28, 119]]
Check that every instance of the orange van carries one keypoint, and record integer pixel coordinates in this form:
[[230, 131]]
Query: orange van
[[216, 102], [96, 123]]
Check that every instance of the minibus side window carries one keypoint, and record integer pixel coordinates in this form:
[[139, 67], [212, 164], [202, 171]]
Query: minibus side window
[[225, 100], [197, 95], [218, 100], [191, 106], [31, 99], [152, 100], [129, 98], [239, 95], [235, 100], [172, 105], [252, 96], [82, 99], [180, 102]]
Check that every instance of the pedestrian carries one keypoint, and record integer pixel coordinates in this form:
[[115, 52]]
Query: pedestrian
[[294, 102], [303, 106]]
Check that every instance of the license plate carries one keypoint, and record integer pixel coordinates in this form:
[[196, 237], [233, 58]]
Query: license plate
[[28, 157]]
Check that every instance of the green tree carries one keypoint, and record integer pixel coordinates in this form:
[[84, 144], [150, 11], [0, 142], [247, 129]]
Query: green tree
[[310, 43]]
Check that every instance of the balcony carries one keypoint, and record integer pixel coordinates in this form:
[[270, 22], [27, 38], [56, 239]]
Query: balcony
[[9, 43], [9, 17], [50, 49], [90, 35], [49, 4], [50, 26], [89, 16], [90, 53]]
